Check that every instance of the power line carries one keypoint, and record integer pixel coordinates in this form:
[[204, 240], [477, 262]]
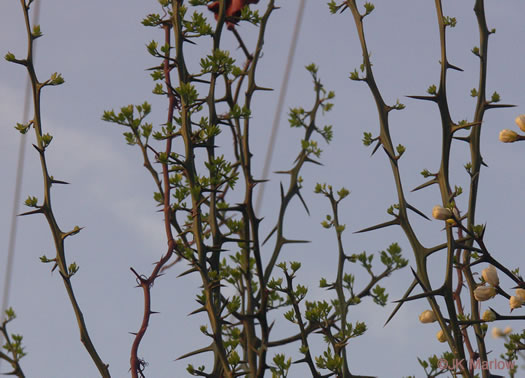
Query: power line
[[280, 102], [18, 188]]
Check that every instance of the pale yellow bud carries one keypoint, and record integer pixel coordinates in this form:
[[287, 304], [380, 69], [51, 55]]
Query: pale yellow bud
[[441, 213], [484, 293], [520, 293], [488, 316], [507, 330], [453, 217], [490, 275], [427, 316], [515, 302], [497, 333], [451, 221], [508, 136], [520, 121], [441, 336]]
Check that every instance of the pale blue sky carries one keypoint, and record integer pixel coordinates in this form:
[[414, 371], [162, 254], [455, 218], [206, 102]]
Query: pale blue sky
[[99, 47]]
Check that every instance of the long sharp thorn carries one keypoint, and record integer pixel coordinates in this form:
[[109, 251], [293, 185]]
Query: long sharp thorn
[[200, 309], [497, 106], [304, 203], [269, 235], [407, 293], [453, 67], [418, 280], [424, 98], [463, 139], [376, 148], [419, 296], [292, 241], [417, 211], [198, 351], [37, 211], [312, 161], [187, 272], [424, 185], [378, 226]]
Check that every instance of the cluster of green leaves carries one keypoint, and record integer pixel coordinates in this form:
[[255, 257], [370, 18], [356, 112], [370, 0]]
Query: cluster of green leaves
[[13, 345], [435, 366], [199, 189], [514, 345], [345, 282]]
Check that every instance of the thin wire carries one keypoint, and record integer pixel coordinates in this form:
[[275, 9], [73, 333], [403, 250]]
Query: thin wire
[[280, 103], [18, 185]]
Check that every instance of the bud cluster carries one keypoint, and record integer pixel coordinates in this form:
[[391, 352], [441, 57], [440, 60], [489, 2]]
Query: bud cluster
[[510, 136], [490, 276]]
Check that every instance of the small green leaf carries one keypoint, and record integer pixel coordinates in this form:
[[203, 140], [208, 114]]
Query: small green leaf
[[432, 89], [10, 57], [367, 139], [22, 128], [495, 97], [56, 79], [73, 268], [36, 33], [31, 201], [369, 7]]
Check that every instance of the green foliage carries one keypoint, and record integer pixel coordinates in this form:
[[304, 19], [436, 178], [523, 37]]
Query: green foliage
[[13, 344], [425, 173], [392, 258], [218, 63], [334, 7], [367, 139], [31, 201], [36, 32], [188, 93], [449, 21], [329, 361], [379, 295], [216, 232], [251, 16], [435, 366], [10, 57], [198, 25], [495, 97], [55, 79], [282, 365], [369, 7], [22, 128]]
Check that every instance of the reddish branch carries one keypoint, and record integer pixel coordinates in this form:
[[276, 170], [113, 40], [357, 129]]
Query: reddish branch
[[233, 10], [457, 298], [137, 364]]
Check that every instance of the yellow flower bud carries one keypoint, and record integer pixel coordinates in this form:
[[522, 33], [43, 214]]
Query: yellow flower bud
[[520, 293], [441, 213], [507, 330], [497, 333], [515, 302], [484, 293], [490, 275], [508, 136], [520, 121], [427, 316], [441, 336], [488, 316]]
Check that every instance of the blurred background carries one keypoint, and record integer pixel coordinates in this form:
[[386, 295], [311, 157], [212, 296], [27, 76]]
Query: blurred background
[[99, 47]]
